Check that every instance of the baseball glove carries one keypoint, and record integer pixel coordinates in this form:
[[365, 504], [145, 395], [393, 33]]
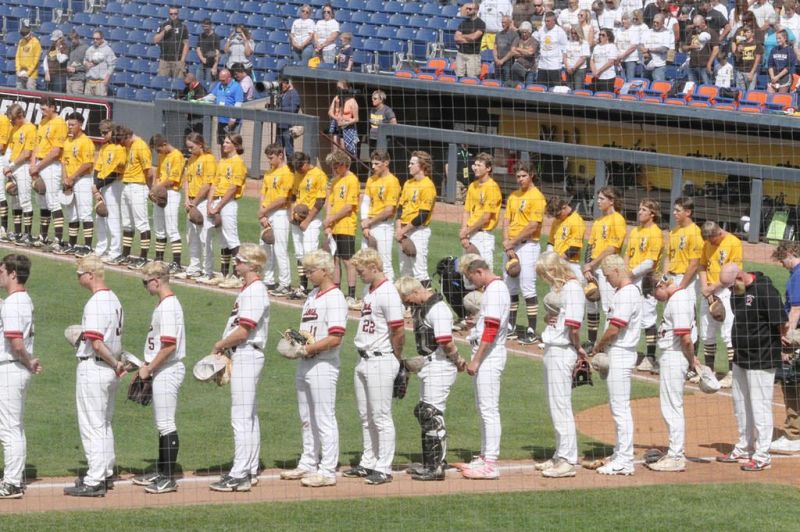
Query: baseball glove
[[158, 195], [195, 216], [715, 308], [552, 302], [74, 335], [592, 292], [38, 186], [414, 364], [472, 302], [408, 248], [101, 209], [600, 365], [293, 343], [268, 235], [471, 249], [651, 456], [582, 373], [594, 463], [400, 383], [513, 268], [214, 367], [299, 213], [141, 390], [131, 362], [11, 187], [708, 381]]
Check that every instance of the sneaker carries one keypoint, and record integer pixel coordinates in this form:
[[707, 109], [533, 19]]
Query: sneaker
[[231, 282], [58, 248], [727, 380], [146, 479], [357, 472], [300, 293], [161, 485], [229, 484], [185, 274], [10, 491], [542, 466], [785, 445], [376, 477], [109, 482], [692, 376], [40, 242], [108, 259], [119, 260], [416, 469], [615, 468], [476, 462], [560, 469], [429, 474], [175, 268], [10, 237], [295, 474], [84, 490], [756, 465], [488, 471], [669, 464], [82, 251], [512, 333], [353, 303], [281, 291], [647, 364], [24, 241], [733, 457], [318, 481], [530, 337], [254, 479], [137, 263]]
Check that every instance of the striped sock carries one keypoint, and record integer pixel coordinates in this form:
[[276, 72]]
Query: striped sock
[[88, 233], [144, 244], [592, 325], [127, 243], [161, 245], [512, 316], [710, 351], [72, 230], [44, 222], [532, 309], [27, 222], [225, 261], [177, 248], [17, 214], [650, 338], [58, 226]]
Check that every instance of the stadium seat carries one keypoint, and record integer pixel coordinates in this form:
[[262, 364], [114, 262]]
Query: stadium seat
[[145, 95], [405, 74], [399, 19], [428, 76], [406, 34], [705, 93], [374, 6], [447, 78], [780, 101], [283, 49], [469, 81], [118, 35], [417, 21], [153, 52], [414, 8], [608, 95], [725, 106], [360, 17], [125, 93], [675, 101], [699, 103], [491, 83], [137, 50], [536, 87], [381, 19], [634, 97], [254, 21], [658, 89], [122, 78], [754, 98], [140, 80], [450, 11], [386, 32]]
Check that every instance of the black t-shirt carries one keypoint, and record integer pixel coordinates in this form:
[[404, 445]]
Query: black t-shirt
[[466, 27], [172, 43], [715, 20], [699, 58], [209, 44], [758, 316], [194, 93]]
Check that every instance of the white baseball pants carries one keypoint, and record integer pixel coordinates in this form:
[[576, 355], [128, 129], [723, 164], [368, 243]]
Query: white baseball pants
[[435, 380], [165, 219], [711, 327], [384, 238], [167, 382], [752, 405], [649, 312], [487, 399], [51, 199], [278, 253], [672, 377], [109, 229], [315, 382], [374, 382], [245, 374], [620, 366], [528, 254], [606, 293], [22, 200], [196, 238], [692, 288], [77, 207], [417, 267], [559, 361], [95, 394], [484, 241], [4, 163], [229, 230], [134, 207], [14, 378], [306, 241]]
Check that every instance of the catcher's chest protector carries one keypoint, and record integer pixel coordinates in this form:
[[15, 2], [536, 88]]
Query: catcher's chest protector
[[423, 331]]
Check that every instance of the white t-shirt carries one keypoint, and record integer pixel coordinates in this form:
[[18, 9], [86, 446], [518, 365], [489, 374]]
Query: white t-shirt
[[16, 321], [323, 29], [656, 39], [573, 303], [251, 310], [552, 44], [103, 319], [440, 319], [566, 17], [325, 314], [626, 314], [625, 38], [302, 28], [722, 10], [629, 6], [610, 18], [724, 76], [166, 328], [495, 307], [492, 11], [678, 319], [576, 50], [761, 12], [602, 54], [792, 24], [381, 310]]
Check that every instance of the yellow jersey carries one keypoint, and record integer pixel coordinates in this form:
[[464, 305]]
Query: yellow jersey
[[110, 159], [23, 139], [482, 198], [311, 187], [27, 57], [139, 160], [417, 195], [382, 192], [77, 152], [344, 191], [566, 235], [278, 183], [230, 172], [199, 171], [50, 134], [5, 131], [685, 245], [714, 257], [523, 208], [608, 230], [170, 169], [645, 243]]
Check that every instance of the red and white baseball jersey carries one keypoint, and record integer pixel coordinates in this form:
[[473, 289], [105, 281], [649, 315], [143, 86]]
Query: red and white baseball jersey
[[381, 311], [440, 319], [102, 320], [16, 321], [626, 314], [166, 328], [325, 314], [251, 310], [495, 306], [573, 303], [678, 320]]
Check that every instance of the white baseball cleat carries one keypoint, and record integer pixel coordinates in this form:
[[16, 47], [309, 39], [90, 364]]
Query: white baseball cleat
[[615, 468]]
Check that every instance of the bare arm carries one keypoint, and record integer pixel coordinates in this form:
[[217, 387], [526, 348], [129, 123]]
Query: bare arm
[[19, 352], [397, 339]]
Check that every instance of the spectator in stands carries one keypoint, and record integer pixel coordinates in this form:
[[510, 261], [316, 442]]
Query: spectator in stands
[[656, 43], [302, 36], [723, 10], [627, 40], [781, 65], [523, 10], [761, 9], [629, 6], [468, 39], [702, 45], [240, 48], [491, 12], [576, 58], [714, 19], [524, 50], [651, 10], [326, 31], [736, 18], [587, 26], [27, 59], [343, 113], [193, 90], [344, 54], [790, 20], [173, 39], [99, 63], [569, 16], [503, 50], [76, 72], [244, 80], [228, 93], [723, 77], [208, 52], [379, 114], [55, 63], [604, 57], [607, 14], [552, 46], [747, 59], [288, 102], [770, 40]]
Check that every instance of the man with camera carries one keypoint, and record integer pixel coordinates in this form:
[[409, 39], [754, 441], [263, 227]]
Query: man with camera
[[173, 39]]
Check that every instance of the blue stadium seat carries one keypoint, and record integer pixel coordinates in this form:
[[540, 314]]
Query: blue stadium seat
[[393, 6], [164, 82], [165, 95], [357, 5], [219, 18], [379, 19], [232, 6], [153, 52], [376, 6], [140, 65], [412, 8], [154, 11], [255, 21], [249, 6], [126, 93], [241, 18], [140, 80], [117, 21], [431, 8], [399, 19], [115, 8], [140, 36], [372, 45], [279, 36], [360, 17], [386, 32], [118, 35], [137, 50], [361, 57], [119, 48], [145, 95], [130, 10], [122, 78], [276, 23], [266, 63], [263, 48], [123, 63], [421, 40], [282, 49], [417, 21], [290, 10], [80, 18], [406, 34]]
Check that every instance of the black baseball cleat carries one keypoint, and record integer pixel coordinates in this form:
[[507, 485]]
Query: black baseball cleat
[[376, 477], [434, 473], [10, 491], [84, 490], [146, 479], [229, 483], [357, 472], [109, 482]]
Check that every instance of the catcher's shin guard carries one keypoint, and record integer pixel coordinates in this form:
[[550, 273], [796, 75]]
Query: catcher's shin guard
[[434, 434]]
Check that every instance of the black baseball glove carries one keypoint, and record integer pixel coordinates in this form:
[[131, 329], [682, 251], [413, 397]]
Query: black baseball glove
[[400, 383], [141, 390], [582, 374]]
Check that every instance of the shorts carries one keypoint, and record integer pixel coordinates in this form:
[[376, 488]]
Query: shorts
[[345, 246]]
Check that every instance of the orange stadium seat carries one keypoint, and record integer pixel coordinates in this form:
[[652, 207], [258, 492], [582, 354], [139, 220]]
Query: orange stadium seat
[[675, 101], [582, 92], [706, 93], [426, 76], [536, 87], [605, 94], [405, 74], [658, 89], [447, 78], [725, 106], [780, 101], [491, 83], [470, 81]]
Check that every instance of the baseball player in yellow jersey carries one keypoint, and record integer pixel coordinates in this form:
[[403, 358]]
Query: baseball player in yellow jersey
[[719, 249], [111, 159], [199, 175], [76, 193], [20, 148], [134, 196], [310, 190], [414, 214], [606, 238], [481, 209], [46, 165], [169, 173], [645, 245], [522, 228], [684, 249], [341, 219], [5, 137], [275, 193], [381, 194], [567, 234]]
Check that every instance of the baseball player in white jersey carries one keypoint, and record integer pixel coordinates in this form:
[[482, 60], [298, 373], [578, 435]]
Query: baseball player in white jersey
[[619, 341], [562, 341], [99, 369], [433, 326], [379, 342], [488, 340], [325, 317], [164, 351], [17, 364], [244, 338], [676, 337]]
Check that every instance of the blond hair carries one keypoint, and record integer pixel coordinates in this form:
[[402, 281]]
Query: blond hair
[[157, 269], [470, 262], [407, 285], [254, 254], [367, 257], [319, 260], [614, 262], [92, 264], [554, 269]]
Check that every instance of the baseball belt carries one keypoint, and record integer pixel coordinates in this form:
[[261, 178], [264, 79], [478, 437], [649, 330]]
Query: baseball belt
[[365, 354], [257, 347]]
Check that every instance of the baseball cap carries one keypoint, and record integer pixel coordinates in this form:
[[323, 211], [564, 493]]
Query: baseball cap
[[24, 30], [526, 26], [56, 35]]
